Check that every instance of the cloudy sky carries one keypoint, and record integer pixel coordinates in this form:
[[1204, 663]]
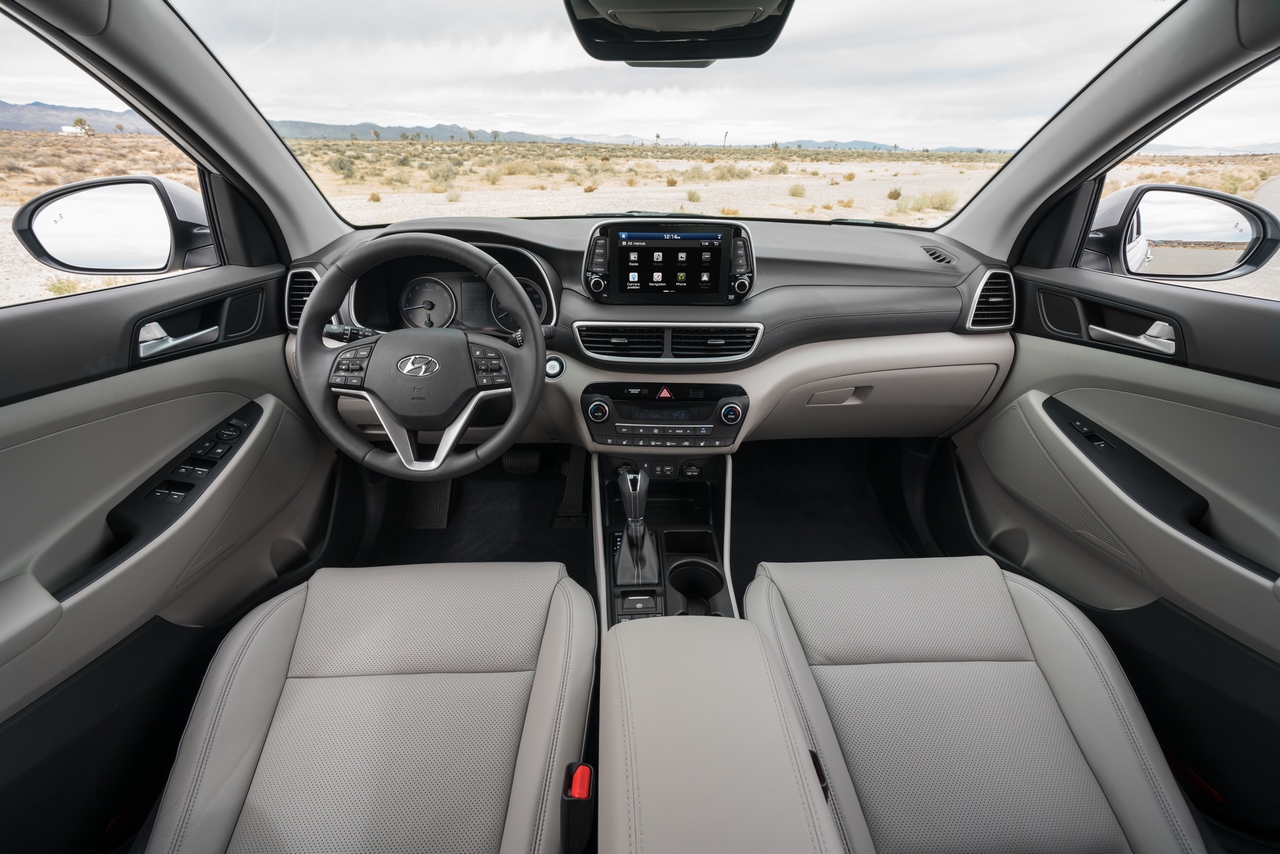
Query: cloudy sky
[[917, 73]]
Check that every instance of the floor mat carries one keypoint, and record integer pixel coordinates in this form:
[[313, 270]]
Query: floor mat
[[805, 501], [498, 516]]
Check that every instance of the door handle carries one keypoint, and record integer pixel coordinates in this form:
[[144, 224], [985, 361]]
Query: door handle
[[154, 341], [1160, 338]]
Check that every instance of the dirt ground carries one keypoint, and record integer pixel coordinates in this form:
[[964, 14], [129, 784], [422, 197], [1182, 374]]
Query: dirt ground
[[379, 181]]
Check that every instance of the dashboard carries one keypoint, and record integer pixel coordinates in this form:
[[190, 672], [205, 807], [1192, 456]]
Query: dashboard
[[428, 292], [819, 329]]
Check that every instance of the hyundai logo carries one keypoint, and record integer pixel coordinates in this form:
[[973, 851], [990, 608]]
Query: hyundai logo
[[418, 366]]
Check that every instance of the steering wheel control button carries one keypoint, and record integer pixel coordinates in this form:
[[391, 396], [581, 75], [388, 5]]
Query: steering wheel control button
[[731, 413], [597, 412]]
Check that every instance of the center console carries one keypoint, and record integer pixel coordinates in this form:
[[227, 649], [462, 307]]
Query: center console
[[659, 262], [658, 414]]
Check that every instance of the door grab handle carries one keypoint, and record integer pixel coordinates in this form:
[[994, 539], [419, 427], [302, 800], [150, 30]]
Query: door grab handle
[[1160, 338], [154, 341]]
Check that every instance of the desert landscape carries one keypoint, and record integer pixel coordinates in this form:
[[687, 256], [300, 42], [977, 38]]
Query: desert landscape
[[372, 181]]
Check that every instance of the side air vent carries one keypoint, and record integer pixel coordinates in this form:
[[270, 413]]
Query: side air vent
[[623, 342], [297, 288], [993, 305], [938, 255], [712, 342]]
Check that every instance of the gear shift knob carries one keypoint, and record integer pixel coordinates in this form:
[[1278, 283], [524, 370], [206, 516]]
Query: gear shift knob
[[634, 486]]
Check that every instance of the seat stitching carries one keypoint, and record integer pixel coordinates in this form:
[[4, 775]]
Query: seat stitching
[[634, 829], [770, 591], [815, 833], [1122, 714], [547, 777], [211, 733]]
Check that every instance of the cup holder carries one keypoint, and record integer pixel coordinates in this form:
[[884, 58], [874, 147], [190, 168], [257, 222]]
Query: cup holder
[[697, 581]]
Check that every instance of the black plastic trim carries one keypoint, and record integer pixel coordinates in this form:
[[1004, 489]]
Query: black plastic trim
[[1146, 482]]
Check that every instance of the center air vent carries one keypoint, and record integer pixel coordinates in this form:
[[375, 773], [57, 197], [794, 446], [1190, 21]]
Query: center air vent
[[297, 288], [623, 342], [993, 305], [712, 342], [938, 255]]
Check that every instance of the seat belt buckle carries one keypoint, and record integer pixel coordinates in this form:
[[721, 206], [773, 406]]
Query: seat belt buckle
[[822, 777], [577, 807]]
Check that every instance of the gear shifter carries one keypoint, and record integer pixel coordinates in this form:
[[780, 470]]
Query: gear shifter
[[638, 562]]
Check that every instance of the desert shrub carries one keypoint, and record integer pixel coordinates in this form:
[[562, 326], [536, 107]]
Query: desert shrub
[[444, 171], [539, 187], [729, 172], [62, 285], [493, 176], [728, 212], [778, 168], [439, 188], [671, 181], [827, 206], [590, 188], [453, 196], [694, 174], [895, 194], [796, 190], [845, 203], [631, 180], [343, 166], [849, 176], [398, 177], [693, 196], [404, 160], [374, 197]]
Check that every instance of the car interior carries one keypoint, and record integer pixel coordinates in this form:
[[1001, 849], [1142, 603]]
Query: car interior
[[640, 530]]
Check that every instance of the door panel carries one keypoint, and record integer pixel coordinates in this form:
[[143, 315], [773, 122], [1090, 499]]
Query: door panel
[[80, 452], [1218, 436]]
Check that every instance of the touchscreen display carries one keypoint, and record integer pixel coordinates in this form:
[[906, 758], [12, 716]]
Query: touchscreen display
[[670, 262]]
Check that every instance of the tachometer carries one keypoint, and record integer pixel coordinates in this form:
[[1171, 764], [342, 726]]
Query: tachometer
[[427, 303], [505, 319]]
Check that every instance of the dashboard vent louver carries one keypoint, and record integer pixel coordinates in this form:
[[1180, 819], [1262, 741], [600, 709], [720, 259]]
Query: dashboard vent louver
[[297, 288], [993, 305], [712, 342], [632, 342], [938, 255]]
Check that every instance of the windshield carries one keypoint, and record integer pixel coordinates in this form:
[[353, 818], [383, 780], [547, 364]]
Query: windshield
[[889, 111]]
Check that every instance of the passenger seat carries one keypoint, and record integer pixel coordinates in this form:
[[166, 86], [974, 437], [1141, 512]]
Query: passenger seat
[[955, 707]]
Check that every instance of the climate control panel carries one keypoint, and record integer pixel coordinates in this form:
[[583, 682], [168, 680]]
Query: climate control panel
[[658, 414]]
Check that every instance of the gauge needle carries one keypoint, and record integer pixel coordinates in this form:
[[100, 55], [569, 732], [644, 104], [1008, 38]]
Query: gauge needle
[[428, 305]]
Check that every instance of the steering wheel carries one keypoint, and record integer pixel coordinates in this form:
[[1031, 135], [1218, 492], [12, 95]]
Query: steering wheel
[[420, 379]]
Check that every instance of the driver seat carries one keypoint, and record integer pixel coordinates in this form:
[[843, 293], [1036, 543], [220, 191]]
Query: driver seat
[[403, 708]]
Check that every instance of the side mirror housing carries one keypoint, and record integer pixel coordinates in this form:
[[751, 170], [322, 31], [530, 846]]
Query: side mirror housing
[[1168, 231], [124, 225]]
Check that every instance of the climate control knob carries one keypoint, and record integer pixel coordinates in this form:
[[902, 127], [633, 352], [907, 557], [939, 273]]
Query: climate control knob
[[598, 411], [731, 413], [596, 284], [741, 285]]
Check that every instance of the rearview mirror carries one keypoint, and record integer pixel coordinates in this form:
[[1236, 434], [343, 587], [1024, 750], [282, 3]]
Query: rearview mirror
[[1176, 232], [687, 33], [135, 224]]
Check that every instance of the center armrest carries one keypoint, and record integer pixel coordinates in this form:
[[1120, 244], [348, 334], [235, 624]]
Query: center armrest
[[700, 746]]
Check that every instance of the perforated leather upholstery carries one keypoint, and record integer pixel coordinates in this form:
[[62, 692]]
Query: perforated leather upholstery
[[389, 709], [957, 708]]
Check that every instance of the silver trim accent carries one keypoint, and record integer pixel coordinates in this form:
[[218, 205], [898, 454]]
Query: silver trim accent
[[595, 232], [1013, 302], [669, 360], [1160, 338], [400, 308], [288, 281], [725, 567], [401, 440], [152, 347]]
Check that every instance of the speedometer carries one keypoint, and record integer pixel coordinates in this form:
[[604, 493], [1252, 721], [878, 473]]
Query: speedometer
[[506, 319], [427, 303]]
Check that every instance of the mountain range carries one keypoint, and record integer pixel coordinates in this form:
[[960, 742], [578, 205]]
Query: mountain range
[[52, 117]]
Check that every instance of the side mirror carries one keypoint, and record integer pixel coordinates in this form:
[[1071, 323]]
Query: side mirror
[[135, 224], [1165, 231]]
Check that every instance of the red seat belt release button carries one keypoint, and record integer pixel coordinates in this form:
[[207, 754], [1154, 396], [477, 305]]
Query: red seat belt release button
[[577, 808], [580, 783]]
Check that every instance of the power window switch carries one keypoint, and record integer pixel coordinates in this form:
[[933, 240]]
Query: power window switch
[[159, 494], [183, 471], [218, 451], [175, 497], [199, 472]]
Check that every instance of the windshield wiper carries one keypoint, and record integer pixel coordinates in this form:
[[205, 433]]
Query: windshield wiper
[[878, 223], [650, 214]]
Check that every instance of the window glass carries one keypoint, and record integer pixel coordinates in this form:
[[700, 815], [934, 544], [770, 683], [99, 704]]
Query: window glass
[[889, 111], [1232, 145], [59, 126]]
